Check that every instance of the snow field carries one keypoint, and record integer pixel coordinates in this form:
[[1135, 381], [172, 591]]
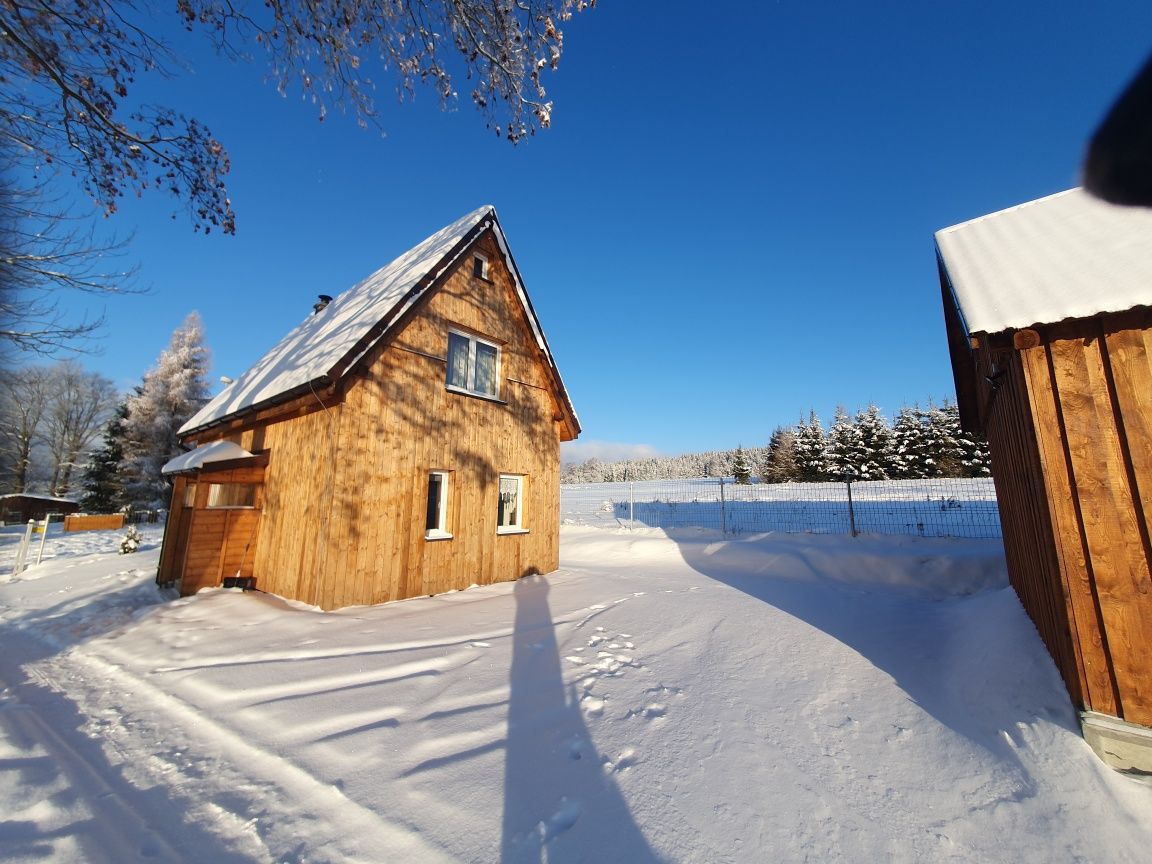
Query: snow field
[[940, 507], [689, 699]]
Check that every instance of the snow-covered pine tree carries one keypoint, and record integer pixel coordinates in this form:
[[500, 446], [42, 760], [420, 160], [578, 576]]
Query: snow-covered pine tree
[[779, 465], [171, 393], [875, 438], [906, 451], [844, 447], [741, 467], [942, 426], [976, 458], [811, 460], [103, 485]]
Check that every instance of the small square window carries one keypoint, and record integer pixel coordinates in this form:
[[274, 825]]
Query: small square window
[[436, 521], [510, 509], [480, 266], [473, 365], [190, 495]]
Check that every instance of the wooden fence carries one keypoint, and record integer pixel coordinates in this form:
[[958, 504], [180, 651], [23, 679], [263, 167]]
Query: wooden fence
[[82, 522]]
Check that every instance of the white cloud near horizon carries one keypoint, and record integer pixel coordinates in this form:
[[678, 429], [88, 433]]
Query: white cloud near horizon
[[606, 451]]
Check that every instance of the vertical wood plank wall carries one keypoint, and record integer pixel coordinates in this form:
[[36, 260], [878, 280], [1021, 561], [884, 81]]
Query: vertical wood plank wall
[[204, 545], [1086, 393], [345, 492], [1029, 548]]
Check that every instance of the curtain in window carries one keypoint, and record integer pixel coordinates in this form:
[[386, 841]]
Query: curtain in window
[[485, 369], [509, 515], [457, 361]]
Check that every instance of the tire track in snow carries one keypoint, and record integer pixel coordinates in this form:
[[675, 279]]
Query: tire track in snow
[[311, 820]]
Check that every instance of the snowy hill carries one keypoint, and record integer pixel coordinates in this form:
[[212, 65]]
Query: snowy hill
[[687, 699]]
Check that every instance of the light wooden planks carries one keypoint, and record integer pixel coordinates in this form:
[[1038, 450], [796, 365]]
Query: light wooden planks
[[1077, 578]]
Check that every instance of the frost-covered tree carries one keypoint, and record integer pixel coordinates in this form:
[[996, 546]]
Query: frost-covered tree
[[79, 403], [811, 445], [779, 464], [171, 392], [741, 467], [72, 67], [103, 484], [23, 400]]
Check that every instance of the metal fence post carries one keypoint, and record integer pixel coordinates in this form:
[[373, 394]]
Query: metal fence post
[[723, 510], [851, 511], [631, 506]]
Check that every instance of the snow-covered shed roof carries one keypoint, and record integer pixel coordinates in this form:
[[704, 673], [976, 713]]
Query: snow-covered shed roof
[[327, 344], [1068, 255], [215, 451]]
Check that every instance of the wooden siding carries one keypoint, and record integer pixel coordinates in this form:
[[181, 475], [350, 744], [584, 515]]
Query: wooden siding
[[202, 544], [1069, 430], [345, 490]]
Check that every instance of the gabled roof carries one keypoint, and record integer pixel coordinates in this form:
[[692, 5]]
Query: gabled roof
[[328, 344], [1068, 255]]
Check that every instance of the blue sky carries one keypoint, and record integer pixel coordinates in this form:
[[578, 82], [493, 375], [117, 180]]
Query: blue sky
[[729, 223]]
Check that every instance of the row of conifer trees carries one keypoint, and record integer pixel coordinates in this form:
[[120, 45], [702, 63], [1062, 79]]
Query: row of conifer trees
[[918, 443]]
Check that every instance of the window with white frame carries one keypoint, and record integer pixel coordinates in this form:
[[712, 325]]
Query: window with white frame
[[473, 365], [480, 265], [510, 511], [436, 523]]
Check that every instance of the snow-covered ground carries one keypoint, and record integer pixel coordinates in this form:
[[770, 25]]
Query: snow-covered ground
[[687, 698]]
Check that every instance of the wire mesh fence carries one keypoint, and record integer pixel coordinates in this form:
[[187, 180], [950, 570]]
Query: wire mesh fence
[[940, 507]]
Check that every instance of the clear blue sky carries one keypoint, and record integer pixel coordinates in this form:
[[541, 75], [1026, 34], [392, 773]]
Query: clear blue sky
[[729, 223]]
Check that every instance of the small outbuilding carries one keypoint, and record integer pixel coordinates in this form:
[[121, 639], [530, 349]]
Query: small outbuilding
[[403, 440], [1047, 307], [20, 507]]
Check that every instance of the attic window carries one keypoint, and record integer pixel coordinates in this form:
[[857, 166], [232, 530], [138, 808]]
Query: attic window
[[473, 365], [480, 266]]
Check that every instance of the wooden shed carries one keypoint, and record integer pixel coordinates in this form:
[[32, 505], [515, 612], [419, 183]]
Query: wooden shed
[[20, 507], [1047, 307], [404, 439]]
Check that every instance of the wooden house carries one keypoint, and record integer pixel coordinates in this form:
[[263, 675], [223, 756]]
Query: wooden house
[[403, 440], [1047, 307]]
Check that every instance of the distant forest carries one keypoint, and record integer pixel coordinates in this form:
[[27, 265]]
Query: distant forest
[[919, 443]]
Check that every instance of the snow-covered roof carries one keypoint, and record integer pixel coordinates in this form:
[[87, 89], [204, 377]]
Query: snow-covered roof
[[216, 451], [328, 343], [1068, 255]]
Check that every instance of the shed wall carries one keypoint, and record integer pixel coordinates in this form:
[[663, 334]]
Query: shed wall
[[1085, 389]]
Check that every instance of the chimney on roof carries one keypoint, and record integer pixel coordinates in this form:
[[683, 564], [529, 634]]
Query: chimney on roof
[[321, 304]]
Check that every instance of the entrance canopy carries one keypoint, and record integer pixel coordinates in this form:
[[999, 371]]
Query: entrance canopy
[[217, 451]]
